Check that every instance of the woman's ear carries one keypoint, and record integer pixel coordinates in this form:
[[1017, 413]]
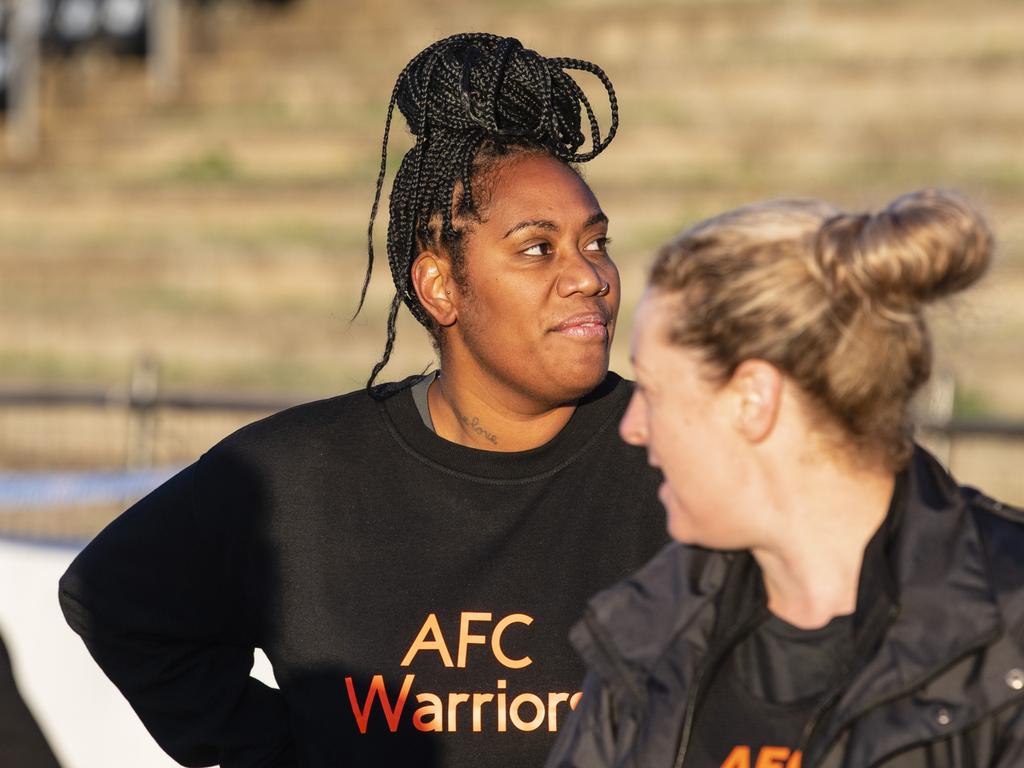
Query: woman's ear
[[434, 285], [756, 387]]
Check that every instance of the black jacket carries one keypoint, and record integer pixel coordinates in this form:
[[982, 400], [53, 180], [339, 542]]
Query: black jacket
[[939, 627]]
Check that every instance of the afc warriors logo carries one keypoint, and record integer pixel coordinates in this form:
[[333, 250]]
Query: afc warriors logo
[[457, 710]]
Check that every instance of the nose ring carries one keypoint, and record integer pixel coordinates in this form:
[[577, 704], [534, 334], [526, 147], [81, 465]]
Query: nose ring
[[605, 289]]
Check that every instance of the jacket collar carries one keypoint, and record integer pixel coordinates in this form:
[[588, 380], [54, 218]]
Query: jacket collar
[[937, 561]]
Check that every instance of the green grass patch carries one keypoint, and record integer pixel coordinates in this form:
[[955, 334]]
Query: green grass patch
[[215, 166], [55, 368], [263, 376], [971, 404], [269, 237]]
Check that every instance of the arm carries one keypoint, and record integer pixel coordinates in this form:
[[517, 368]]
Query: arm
[[21, 742], [157, 597]]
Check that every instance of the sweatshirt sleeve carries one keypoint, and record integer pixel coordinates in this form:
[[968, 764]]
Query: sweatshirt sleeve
[[157, 599]]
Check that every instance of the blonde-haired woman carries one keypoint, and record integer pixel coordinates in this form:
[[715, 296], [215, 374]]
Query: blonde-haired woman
[[836, 600]]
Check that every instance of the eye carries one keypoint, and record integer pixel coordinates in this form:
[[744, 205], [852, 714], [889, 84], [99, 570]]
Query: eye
[[538, 249], [598, 245]]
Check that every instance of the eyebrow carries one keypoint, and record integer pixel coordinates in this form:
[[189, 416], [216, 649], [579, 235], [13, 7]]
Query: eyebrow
[[597, 218]]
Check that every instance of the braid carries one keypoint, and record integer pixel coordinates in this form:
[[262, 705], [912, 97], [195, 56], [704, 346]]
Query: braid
[[376, 199], [396, 304], [470, 99]]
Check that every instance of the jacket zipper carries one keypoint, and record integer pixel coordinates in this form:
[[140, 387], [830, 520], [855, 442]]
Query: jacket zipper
[[907, 689], [818, 717], [710, 666]]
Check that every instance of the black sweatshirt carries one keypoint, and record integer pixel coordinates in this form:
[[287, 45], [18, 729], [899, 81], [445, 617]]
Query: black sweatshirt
[[22, 744], [412, 594]]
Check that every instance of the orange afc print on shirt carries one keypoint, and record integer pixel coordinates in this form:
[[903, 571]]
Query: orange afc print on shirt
[[525, 711], [767, 757]]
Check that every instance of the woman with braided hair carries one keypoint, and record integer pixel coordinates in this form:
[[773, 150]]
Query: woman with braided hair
[[495, 243], [472, 101], [408, 556]]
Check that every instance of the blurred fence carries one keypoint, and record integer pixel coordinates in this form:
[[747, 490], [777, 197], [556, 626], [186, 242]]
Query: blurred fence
[[72, 459]]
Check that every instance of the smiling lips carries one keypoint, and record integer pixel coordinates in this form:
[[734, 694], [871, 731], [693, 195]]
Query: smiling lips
[[592, 325]]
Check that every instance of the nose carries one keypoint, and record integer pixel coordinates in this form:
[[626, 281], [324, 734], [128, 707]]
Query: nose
[[633, 427], [584, 276]]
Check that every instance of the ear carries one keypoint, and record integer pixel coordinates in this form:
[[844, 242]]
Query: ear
[[756, 389], [434, 285]]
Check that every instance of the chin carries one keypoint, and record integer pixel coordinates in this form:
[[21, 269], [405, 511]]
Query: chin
[[580, 380], [679, 532], [686, 535], [679, 524]]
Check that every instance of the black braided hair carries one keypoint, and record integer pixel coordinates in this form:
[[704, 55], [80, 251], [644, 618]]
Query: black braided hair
[[470, 99]]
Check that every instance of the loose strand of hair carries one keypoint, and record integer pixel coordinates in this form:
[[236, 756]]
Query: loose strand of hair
[[376, 200], [389, 345]]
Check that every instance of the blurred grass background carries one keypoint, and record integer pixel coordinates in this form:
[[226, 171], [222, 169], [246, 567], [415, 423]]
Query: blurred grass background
[[224, 233]]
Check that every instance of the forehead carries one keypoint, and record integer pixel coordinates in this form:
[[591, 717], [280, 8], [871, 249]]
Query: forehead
[[541, 187], [652, 311]]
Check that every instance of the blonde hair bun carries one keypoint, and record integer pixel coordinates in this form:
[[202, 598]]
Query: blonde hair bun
[[833, 300], [922, 246]]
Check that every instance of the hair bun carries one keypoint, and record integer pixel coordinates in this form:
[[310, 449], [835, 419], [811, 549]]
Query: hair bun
[[478, 83], [921, 247]]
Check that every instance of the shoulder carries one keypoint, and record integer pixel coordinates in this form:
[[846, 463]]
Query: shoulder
[[986, 505], [1001, 524], [351, 419], [639, 617], [1001, 528]]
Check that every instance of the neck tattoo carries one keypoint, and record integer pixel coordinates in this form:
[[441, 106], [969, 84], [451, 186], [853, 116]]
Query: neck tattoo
[[473, 425], [470, 424]]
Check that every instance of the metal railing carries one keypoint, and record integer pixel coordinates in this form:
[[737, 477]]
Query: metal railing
[[144, 399], [73, 458]]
